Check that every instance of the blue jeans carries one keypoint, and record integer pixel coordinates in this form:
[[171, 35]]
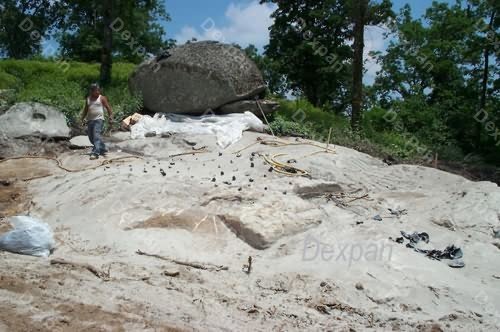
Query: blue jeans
[[94, 130]]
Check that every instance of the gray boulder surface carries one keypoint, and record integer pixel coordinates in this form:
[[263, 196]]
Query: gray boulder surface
[[197, 77], [242, 106], [33, 119]]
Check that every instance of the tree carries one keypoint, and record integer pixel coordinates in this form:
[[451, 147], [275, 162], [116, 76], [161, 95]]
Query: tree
[[24, 23], [107, 42], [274, 80], [438, 75], [311, 45], [486, 14], [101, 30], [359, 18], [308, 48], [363, 13]]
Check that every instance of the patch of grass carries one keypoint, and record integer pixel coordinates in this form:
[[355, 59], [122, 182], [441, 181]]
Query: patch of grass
[[64, 85], [300, 118]]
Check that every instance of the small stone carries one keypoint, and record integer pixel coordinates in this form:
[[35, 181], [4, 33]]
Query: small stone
[[238, 155], [265, 188], [359, 286], [251, 180], [234, 178], [162, 172], [240, 189], [172, 163], [220, 154], [252, 165], [284, 193], [213, 180], [270, 169], [222, 173]]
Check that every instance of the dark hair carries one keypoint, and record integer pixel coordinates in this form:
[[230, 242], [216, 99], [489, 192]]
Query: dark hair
[[94, 86]]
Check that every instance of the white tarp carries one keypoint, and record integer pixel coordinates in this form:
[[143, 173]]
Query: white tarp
[[228, 128], [30, 236]]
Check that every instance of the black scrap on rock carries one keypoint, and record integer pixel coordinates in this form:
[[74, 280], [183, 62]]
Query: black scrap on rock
[[453, 253], [416, 237]]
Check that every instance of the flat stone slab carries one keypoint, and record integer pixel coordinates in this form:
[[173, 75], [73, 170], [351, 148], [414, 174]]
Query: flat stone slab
[[33, 119], [80, 142]]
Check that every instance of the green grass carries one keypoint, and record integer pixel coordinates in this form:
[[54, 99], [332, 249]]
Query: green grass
[[300, 118], [64, 85]]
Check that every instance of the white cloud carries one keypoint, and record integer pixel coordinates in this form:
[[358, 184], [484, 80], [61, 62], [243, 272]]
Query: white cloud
[[246, 24]]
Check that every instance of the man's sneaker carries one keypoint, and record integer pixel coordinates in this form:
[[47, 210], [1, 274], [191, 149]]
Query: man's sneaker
[[94, 156]]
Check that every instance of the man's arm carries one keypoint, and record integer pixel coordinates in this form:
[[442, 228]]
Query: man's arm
[[106, 105], [85, 111]]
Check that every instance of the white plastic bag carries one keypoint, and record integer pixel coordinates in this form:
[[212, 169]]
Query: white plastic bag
[[30, 236], [228, 128]]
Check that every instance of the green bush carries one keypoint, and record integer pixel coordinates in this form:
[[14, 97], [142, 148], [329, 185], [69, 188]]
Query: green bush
[[64, 85]]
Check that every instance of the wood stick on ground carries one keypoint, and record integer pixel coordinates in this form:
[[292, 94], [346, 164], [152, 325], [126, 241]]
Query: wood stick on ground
[[188, 153], [99, 274], [328, 142], [264, 115], [247, 268], [356, 198], [206, 267]]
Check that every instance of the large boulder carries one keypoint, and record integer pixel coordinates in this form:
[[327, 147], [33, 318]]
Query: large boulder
[[196, 77], [242, 106], [33, 119]]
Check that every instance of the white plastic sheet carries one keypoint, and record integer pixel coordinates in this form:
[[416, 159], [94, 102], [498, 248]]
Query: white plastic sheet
[[30, 236], [228, 128]]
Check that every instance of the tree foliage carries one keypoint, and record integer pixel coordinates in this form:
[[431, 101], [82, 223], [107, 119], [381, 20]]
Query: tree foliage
[[136, 29], [311, 46], [23, 24], [439, 78]]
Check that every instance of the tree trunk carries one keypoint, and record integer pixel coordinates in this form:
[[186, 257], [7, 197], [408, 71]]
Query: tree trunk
[[484, 83], [359, 16], [107, 43]]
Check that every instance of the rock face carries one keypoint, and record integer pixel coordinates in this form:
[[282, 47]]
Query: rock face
[[33, 119], [197, 77], [242, 106]]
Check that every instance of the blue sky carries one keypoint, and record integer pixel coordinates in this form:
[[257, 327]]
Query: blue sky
[[240, 21]]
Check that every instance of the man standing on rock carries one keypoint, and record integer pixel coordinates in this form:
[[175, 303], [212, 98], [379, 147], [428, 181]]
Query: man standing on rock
[[94, 114]]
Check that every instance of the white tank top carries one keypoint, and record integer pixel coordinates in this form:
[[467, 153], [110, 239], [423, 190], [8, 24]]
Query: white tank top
[[96, 109]]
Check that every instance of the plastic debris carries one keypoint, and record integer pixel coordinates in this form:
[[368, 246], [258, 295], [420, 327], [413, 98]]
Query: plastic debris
[[30, 236]]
